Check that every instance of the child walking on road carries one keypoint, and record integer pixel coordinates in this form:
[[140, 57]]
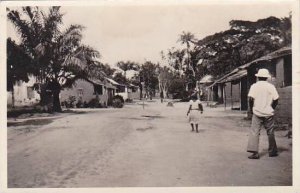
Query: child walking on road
[[195, 108]]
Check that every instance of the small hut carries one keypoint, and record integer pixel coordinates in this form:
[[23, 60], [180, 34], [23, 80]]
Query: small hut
[[204, 86]]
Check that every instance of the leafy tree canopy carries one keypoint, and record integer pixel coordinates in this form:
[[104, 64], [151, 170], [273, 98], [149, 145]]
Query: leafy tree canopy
[[18, 64], [243, 42]]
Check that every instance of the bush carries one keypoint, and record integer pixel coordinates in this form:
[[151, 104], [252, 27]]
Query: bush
[[129, 100], [79, 104], [117, 101], [177, 89], [185, 96], [94, 103], [69, 103], [85, 104]]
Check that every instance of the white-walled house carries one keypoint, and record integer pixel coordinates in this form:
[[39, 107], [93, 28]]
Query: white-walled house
[[86, 90], [24, 93]]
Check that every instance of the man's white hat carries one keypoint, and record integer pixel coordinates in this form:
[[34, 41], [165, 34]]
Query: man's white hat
[[263, 73]]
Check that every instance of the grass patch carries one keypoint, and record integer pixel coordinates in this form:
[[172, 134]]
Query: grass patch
[[35, 122], [26, 112], [16, 112]]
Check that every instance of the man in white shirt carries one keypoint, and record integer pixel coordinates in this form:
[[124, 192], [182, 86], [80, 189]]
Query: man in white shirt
[[263, 99]]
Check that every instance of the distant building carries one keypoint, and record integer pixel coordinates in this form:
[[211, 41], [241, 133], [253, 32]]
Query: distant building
[[127, 91], [204, 87]]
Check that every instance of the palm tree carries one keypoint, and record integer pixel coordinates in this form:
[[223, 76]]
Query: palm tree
[[187, 38], [59, 58]]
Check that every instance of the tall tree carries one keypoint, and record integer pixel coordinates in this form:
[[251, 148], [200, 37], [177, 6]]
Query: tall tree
[[187, 38], [59, 58], [243, 42], [165, 77], [149, 76], [174, 58]]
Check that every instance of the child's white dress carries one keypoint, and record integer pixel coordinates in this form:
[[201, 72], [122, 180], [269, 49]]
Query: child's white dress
[[194, 115]]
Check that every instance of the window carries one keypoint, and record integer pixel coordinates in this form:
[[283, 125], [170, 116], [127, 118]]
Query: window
[[120, 89], [30, 92], [80, 92], [98, 90]]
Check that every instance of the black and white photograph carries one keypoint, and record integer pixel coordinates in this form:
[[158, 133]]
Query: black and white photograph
[[136, 94]]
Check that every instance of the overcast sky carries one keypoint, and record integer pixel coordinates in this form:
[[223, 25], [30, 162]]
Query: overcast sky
[[139, 33]]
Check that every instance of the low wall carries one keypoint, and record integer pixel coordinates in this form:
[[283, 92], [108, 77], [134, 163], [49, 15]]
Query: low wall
[[283, 111], [134, 95]]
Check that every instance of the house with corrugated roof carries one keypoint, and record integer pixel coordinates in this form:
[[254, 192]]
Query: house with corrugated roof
[[236, 84]]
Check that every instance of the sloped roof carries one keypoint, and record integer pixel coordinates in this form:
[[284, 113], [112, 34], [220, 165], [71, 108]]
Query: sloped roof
[[241, 71], [207, 79], [273, 55], [239, 74], [112, 81], [103, 83], [132, 85], [96, 81], [110, 86]]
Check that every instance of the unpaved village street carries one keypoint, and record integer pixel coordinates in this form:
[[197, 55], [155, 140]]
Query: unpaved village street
[[136, 147]]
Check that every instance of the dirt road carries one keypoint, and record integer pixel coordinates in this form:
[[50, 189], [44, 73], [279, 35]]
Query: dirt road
[[132, 147]]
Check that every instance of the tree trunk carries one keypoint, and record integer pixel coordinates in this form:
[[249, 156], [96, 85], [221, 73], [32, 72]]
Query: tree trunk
[[46, 98], [141, 91], [56, 102], [54, 89], [159, 85], [165, 93], [43, 95], [165, 89], [13, 97]]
